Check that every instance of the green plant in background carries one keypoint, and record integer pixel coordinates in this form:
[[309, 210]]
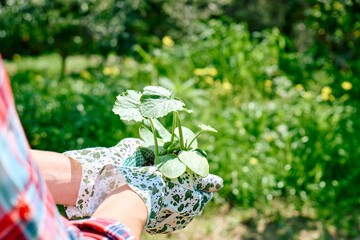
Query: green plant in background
[[287, 120], [175, 151]]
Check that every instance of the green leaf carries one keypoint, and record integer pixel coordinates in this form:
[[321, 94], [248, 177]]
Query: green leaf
[[202, 152], [156, 102], [160, 129], [188, 135], [157, 91], [157, 106], [127, 106], [170, 165], [195, 161], [207, 128], [146, 135]]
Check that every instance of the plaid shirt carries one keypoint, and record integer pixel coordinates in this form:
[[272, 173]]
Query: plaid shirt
[[27, 210]]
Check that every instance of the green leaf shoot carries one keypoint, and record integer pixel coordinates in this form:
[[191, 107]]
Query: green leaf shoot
[[175, 151]]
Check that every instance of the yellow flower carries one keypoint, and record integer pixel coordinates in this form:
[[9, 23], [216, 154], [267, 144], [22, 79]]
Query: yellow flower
[[253, 161], [307, 95], [16, 57], [167, 41], [326, 90], [269, 139], [299, 87], [199, 72], [205, 71], [338, 6], [346, 85], [226, 85], [111, 71], [325, 93], [211, 71], [209, 80], [38, 77], [85, 74], [268, 83]]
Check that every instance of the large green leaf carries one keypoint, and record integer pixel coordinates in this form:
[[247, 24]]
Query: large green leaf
[[188, 135], [156, 102], [170, 165], [157, 106], [127, 106], [195, 161], [157, 91]]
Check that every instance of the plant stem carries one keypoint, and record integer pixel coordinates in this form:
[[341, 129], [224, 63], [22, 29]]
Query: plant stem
[[173, 127], [180, 131], [155, 138], [195, 138]]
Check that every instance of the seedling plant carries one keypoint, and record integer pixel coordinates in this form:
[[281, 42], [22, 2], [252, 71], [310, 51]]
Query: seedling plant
[[174, 151]]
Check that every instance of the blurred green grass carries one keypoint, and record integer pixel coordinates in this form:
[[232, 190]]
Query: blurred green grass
[[288, 125]]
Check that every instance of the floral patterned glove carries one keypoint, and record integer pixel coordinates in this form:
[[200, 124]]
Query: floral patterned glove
[[127, 152], [171, 203]]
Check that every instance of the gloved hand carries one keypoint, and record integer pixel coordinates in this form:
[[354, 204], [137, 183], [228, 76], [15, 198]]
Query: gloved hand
[[171, 203], [128, 152]]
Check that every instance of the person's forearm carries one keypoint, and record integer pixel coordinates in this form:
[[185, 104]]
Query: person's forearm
[[125, 206], [61, 174]]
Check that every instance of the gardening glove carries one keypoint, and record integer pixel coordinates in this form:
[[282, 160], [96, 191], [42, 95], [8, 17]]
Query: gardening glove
[[128, 152], [171, 203]]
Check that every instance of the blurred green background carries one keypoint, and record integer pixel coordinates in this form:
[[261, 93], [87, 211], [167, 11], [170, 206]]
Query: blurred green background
[[279, 80]]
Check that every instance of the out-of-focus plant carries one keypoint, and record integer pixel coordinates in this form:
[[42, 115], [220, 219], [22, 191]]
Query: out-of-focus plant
[[287, 121]]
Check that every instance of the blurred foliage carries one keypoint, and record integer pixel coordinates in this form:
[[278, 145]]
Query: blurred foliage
[[283, 134], [282, 89]]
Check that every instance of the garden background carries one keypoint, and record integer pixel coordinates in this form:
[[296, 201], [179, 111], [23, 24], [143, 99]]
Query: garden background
[[279, 80]]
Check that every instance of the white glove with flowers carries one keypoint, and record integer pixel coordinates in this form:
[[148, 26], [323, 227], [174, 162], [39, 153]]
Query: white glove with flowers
[[171, 203]]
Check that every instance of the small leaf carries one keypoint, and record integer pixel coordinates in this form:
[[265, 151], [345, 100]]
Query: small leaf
[[202, 152], [195, 161], [188, 135], [127, 106], [146, 135], [170, 165], [160, 129], [207, 128]]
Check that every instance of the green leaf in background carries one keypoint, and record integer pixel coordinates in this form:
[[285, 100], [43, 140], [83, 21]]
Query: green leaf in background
[[188, 135], [170, 165], [195, 161], [207, 128], [127, 106]]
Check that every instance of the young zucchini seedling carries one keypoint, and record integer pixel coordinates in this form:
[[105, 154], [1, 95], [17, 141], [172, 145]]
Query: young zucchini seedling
[[175, 151]]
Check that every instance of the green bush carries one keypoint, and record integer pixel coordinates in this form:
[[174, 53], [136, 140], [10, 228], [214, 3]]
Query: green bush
[[288, 123]]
